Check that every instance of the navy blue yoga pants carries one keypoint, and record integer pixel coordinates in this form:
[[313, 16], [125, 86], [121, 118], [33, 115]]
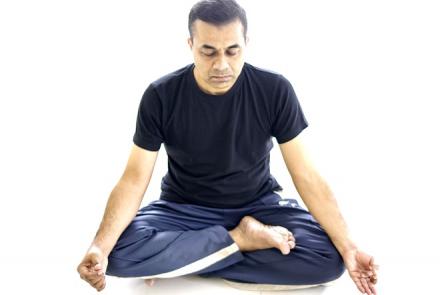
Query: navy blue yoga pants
[[167, 239]]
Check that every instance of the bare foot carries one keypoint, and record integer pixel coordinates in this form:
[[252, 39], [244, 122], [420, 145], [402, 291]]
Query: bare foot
[[251, 235], [149, 282]]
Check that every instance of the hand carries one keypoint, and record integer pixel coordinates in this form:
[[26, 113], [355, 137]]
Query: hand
[[362, 270], [92, 268]]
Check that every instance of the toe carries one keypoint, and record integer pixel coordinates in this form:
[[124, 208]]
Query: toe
[[149, 282], [285, 248]]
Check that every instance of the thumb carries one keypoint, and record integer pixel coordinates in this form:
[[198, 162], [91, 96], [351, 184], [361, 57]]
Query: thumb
[[371, 263], [94, 261], [98, 264]]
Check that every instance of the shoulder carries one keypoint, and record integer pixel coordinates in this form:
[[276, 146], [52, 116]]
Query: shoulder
[[163, 90], [171, 80], [265, 77]]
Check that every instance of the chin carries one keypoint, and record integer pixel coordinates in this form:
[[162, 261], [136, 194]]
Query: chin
[[222, 86]]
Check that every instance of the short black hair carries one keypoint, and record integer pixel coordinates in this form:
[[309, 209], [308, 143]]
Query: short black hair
[[217, 12]]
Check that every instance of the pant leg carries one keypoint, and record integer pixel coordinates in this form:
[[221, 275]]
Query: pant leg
[[166, 239], [314, 260]]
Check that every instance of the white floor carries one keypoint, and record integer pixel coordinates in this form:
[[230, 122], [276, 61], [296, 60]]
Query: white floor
[[397, 276]]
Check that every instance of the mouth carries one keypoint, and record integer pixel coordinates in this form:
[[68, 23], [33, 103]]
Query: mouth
[[224, 78]]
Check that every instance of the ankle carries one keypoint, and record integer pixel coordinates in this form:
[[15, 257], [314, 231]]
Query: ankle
[[236, 237]]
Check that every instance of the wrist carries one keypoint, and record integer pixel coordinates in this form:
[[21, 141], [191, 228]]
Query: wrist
[[99, 248], [345, 247]]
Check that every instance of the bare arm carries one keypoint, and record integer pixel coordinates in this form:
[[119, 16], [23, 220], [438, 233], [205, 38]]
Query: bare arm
[[125, 198], [318, 197], [316, 194], [122, 206]]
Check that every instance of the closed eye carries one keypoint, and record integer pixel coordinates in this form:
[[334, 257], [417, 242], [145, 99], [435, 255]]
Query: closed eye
[[232, 51], [212, 53]]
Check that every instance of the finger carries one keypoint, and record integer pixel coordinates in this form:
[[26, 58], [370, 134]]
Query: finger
[[95, 264], [291, 244], [94, 281], [376, 267], [100, 272], [371, 287], [373, 266], [101, 288], [97, 267], [82, 269], [92, 278], [371, 263], [367, 274], [366, 287], [95, 272], [356, 279], [100, 268], [99, 285], [359, 285]]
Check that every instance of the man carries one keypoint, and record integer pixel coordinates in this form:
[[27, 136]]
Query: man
[[218, 213]]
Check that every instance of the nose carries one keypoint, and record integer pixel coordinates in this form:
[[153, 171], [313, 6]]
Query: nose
[[221, 64]]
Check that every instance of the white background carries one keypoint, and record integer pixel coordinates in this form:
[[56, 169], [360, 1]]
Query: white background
[[72, 74]]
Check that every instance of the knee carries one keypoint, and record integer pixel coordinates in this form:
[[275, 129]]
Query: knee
[[124, 256], [331, 267], [119, 264], [319, 266]]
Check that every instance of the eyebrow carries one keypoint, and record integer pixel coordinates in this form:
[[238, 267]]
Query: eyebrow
[[206, 46]]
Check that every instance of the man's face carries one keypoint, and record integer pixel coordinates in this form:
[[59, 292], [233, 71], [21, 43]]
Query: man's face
[[218, 55]]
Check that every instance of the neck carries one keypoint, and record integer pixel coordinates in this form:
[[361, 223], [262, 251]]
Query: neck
[[205, 87]]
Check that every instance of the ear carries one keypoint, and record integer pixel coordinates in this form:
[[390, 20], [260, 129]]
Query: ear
[[246, 41], [190, 43]]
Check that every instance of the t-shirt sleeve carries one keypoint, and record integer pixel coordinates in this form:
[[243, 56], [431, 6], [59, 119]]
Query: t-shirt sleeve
[[149, 134], [288, 118]]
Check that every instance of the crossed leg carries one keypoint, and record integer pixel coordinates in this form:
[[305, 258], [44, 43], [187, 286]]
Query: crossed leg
[[251, 235], [313, 261], [264, 243]]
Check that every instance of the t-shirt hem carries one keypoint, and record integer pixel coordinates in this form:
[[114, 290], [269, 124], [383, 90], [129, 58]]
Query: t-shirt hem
[[291, 135], [154, 147]]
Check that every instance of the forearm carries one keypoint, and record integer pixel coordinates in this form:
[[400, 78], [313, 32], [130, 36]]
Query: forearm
[[319, 199], [122, 206]]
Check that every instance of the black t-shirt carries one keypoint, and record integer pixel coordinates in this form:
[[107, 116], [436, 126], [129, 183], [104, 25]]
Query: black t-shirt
[[218, 146]]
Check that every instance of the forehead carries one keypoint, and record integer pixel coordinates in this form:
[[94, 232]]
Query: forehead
[[217, 36]]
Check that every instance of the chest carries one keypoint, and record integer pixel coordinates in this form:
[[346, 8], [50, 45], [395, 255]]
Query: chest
[[203, 132]]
